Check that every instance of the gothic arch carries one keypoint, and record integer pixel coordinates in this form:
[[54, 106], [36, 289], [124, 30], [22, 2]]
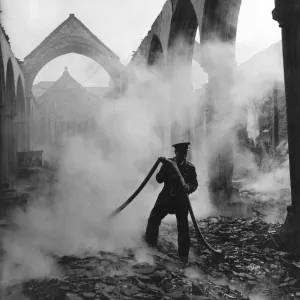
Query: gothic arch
[[2, 81], [183, 28], [72, 36], [10, 96], [220, 20], [184, 24], [219, 23], [156, 53], [19, 127], [20, 99], [9, 113]]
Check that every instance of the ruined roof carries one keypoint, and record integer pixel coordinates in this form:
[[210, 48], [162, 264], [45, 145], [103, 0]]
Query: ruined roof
[[56, 31]]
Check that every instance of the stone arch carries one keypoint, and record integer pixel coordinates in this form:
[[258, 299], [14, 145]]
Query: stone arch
[[2, 131], [2, 81], [72, 36], [156, 53], [219, 25], [184, 24], [183, 28], [10, 99], [20, 99], [217, 43], [220, 19], [8, 153], [19, 120]]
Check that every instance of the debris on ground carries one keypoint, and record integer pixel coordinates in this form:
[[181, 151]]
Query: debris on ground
[[252, 269], [249, 268]]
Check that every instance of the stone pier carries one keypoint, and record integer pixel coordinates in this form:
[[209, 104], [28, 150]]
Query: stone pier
[[287, 13]]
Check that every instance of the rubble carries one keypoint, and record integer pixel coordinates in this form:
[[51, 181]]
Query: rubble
[[253, 267]]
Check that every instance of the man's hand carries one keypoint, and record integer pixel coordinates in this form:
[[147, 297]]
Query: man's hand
[[186, 188], [162, 159]]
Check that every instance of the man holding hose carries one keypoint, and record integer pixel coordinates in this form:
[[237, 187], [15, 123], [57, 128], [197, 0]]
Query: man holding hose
[[170, 201]]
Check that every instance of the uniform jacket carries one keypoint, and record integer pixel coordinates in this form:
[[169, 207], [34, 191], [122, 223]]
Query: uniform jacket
[[170, 193]]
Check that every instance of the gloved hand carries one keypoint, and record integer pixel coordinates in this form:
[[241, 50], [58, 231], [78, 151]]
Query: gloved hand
[[186, 188]]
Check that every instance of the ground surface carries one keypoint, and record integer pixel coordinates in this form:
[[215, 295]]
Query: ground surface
[[252, 268]]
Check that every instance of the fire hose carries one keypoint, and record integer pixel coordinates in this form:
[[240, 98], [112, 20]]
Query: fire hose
[[172, 166]]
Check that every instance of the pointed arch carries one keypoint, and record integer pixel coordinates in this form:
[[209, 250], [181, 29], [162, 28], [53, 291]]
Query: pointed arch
[[72, 36], [220, 20], [156, 53], [20, 99], [2, 81], [184, 24], [19, 127], [9, 113], [10, 96]]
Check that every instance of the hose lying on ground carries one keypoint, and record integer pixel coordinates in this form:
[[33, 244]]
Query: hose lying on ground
[[172, 166]]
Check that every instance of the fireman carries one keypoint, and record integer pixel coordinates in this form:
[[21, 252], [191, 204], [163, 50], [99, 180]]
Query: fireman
[[170, 201]]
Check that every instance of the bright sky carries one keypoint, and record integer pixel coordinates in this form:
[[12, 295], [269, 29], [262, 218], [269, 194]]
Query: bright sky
[[121, 25]]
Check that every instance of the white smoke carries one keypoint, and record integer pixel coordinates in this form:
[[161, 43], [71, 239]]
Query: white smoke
[[95, 177]]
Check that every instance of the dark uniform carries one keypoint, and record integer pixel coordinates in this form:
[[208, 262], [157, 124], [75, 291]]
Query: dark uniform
[[170, 201]]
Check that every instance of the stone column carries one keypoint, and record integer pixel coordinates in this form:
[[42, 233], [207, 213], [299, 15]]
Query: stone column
[[287, 13], [7, 147], [218, 60], [3, 150], [28, 121]]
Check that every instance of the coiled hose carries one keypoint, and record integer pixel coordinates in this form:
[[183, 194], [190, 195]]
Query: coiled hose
[[174, 169]]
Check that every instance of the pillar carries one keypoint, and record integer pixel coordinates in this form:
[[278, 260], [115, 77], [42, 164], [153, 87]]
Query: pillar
[[20, 132], [275, 121], [3, 149], [220, 126], [28, 121], [287, 14], [7, 149]]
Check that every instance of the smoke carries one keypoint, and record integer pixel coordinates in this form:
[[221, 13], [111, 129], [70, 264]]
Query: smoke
[[98, 173], [194, 274], [272, 182]]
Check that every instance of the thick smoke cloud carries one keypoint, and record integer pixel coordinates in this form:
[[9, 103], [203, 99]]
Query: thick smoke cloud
[[98, 173]]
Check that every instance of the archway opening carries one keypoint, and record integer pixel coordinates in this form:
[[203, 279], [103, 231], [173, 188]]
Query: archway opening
[[10, 89], [2, 82], [184, 25], [156, 55], [36, 62], [2, 122], [84, 70], [10, 110], [68, 94], [19, 120], [20, 102]]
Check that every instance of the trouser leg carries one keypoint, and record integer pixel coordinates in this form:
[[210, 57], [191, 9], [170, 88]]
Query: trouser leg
[[157, 214], [183, 234]]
